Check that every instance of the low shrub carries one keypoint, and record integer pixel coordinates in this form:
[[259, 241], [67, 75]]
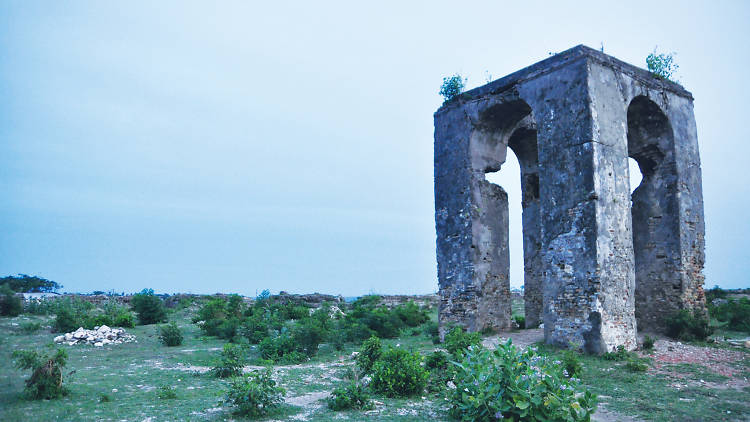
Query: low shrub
[[571, 363], [281, 349], [30, 327], [254, 395], [166, 392], [308, 334], [432, 330], [436, 360], [230, 362], [457, 341], [369, 353], [399, 373], [507, 383], [46, 381], [170, 334], [688, 326], [104, 398], [124, 320], [149, 307], [350, 396], [648, 343], [10, 304], [520, 320], [636, 365], [411, 314], [619, 355]]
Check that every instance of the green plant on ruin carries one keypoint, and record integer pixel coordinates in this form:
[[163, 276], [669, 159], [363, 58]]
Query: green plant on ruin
[[662, 65], [46, 381], [452, 87]]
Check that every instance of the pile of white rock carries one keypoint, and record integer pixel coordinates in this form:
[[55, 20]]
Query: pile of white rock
[[99, 336]]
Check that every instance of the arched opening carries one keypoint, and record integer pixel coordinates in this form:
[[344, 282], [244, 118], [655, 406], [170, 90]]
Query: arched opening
[[509, 139], [654, 213], [635, 174]]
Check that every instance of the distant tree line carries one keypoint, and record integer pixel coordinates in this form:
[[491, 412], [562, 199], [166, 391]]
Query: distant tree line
[[23, 283]]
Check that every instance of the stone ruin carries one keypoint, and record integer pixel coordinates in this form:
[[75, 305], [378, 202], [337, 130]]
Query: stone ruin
[[597, 261]]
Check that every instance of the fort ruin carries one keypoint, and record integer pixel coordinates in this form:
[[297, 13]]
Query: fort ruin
[[597, 262]]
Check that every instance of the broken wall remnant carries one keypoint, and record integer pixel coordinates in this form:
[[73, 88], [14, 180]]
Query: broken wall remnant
[[593, 264]]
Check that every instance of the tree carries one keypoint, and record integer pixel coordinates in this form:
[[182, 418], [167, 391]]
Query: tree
[[29, 284], [149, 307]]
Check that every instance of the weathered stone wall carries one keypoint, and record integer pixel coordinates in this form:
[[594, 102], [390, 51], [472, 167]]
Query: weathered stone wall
[[589, 263]]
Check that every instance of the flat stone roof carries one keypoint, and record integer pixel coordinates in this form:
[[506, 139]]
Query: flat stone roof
[[566, 58]]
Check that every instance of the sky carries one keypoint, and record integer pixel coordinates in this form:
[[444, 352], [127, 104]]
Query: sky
[[240, 146]]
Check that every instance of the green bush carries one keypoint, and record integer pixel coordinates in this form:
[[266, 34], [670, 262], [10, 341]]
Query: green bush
[[457, 341], [619, 355], [452, 87], [230, 362], [636, 365], [254, 395], [736, 313], [369, 353], [688, 326], [662, 65], [350, 396], [30, 327], [399, 373], [170, 334], [571, 363], [308, 335], [432, 330], [411, 314], [10, 304], [507, 383], [46, 381], [67, 320], [648, 343], [281, 349], [124, 320], [436, 360], [149, 307], [520, 321], [166, 392]]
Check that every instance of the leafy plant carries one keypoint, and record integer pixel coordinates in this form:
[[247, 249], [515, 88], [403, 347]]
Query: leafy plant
[[736, 313], [170, 334], [571, 363], [411, 314], [619, 355], [452, 87], [689, 326], [350, 396], [166, 392], [648, 343], [662, 65], [520, 320], [10, 304], [46, 381], [457, 341], [149, 307], [370, 352], [399, 373], [230, 362], [636, 365], [281, 349], [254, 395], [30, 327], [507, 383]]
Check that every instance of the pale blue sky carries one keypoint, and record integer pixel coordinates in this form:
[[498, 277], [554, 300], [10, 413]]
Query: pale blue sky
[[238, 146]]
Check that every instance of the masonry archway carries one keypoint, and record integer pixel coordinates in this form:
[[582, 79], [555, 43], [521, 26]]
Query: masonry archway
[[655, 214], [511, 125]]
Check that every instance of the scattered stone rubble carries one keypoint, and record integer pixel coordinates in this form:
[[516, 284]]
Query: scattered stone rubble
[[99, 336]]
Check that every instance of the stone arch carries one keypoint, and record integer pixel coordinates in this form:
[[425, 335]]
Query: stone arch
[[501, 126], [655, 214]]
